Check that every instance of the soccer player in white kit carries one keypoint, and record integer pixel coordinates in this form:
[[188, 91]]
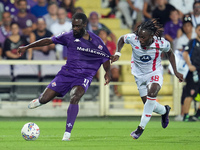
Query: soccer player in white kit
[[147, 46]]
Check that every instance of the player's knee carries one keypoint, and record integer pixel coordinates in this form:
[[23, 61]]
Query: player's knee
[[76, 94], [152, 93], [153, 89], [75, 99]]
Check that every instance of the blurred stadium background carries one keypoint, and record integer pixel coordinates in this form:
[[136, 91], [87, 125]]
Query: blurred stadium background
[[99, 100]]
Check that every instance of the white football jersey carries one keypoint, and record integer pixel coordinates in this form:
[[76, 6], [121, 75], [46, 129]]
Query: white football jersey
[[146, 60]]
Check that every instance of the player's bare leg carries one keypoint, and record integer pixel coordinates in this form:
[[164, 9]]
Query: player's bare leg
[[44, 98], [75, 95]]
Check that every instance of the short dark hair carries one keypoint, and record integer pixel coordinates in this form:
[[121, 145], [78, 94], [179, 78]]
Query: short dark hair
[[174, 10], [80, 16], [152, 26]]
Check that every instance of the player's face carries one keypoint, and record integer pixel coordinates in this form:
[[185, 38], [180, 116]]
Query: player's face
[[78, 28], [145, 38]]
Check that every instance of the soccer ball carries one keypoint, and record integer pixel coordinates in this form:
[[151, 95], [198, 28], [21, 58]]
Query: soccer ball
[[30, 131]]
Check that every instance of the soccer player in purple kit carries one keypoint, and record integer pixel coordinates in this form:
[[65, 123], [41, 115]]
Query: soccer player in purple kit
[[86, 52]]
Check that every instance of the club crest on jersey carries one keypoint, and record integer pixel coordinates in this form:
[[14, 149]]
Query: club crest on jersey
[[53, 84], [145, 58], [100, 47]]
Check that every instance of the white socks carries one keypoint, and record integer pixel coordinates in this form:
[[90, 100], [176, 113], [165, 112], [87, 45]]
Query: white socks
[[147, 112], [151, 106], [159, 109]]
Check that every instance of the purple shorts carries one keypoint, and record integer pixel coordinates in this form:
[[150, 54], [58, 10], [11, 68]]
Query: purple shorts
[[63, 84]]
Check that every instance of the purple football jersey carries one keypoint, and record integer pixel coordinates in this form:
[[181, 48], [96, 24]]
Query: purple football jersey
[[84, 57]]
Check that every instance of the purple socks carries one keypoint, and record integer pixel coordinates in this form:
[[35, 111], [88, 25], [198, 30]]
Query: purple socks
[[72, 112]]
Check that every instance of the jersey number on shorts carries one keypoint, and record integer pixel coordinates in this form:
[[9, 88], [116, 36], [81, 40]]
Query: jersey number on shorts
[[154, 78], [86, 81]]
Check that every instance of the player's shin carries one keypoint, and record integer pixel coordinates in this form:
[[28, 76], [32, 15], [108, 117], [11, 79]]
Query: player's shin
[[72, 113], [147, 112]]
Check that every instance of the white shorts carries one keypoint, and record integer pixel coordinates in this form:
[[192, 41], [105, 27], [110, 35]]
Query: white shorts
[[143, 81]]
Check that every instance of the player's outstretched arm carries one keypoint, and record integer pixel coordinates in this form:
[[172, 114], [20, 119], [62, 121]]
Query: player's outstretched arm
[[171, 58], [120, 44], [39, 43], [107, 76]]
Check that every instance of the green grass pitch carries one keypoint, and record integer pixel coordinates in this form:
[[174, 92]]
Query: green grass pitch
[[111, 133]]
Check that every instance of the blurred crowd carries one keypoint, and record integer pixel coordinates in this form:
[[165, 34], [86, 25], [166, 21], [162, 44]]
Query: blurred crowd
[[179, 18], [25, 21]]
